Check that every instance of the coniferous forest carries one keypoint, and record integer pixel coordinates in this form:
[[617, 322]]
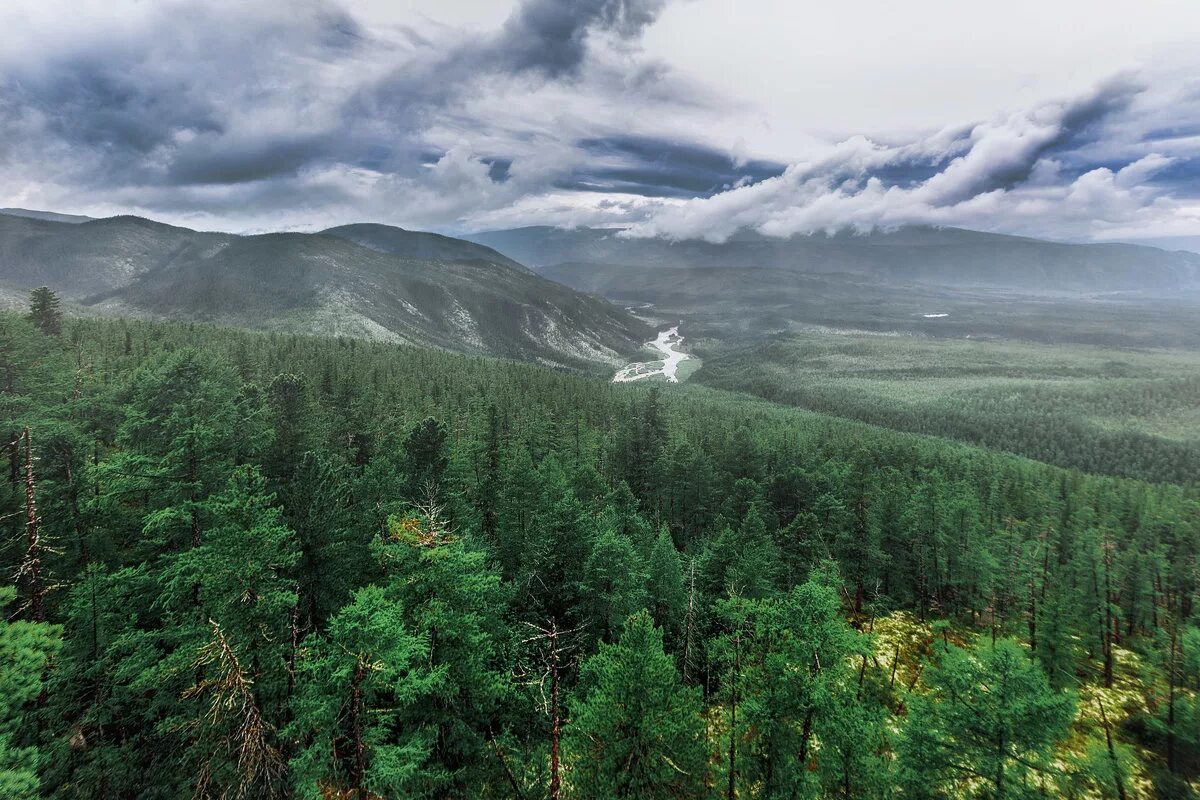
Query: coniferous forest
[[252, 565]]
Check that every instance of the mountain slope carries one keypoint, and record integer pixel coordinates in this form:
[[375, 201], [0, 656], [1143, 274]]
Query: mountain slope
[[319, 284], [416, 244], [922, 255], [49, 216]]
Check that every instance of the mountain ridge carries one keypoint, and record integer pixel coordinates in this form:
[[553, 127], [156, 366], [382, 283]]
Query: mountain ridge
[[466, 300], [915, 254]]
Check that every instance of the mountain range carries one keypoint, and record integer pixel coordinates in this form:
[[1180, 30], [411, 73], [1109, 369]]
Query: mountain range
[[950, 257], [368, 281], [475, 295]]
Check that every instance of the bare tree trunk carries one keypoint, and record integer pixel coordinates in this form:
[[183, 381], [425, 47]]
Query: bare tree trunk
[[737, 669], [687, 627], [555, 719], [356, 731], [1171, 682], [1112, 752], [31, 566]]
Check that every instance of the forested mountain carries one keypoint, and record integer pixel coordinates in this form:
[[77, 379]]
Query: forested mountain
[[433, 290], [938, 256], [284, 566], [50, 216], [416, 244]]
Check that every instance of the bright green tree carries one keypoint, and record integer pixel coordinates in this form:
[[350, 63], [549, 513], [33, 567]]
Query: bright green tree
[[359, 688], [985, 726], [781, 660], [451, 596], [25, 647]]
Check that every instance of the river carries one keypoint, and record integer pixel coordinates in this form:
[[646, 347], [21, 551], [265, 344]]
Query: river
[[666, 343]]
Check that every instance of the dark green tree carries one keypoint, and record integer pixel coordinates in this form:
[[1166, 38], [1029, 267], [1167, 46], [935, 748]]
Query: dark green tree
[[44, 311], [635, 732]]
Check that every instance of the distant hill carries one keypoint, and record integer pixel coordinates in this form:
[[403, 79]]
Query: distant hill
[[49, 216], [915, 255], [438, 291]]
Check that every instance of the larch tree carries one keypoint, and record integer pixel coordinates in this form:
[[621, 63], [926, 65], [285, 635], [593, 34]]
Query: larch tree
[[25, 649], [358, 690]]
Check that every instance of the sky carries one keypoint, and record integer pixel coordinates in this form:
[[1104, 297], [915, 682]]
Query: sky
[[1062, 119]]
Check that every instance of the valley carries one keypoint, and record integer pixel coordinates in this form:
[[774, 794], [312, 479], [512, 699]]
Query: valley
[[927, 477], [599, 400]]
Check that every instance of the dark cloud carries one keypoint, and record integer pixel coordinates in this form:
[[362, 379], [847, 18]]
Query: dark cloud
[[550, 36], [215, 160], [194, 99], [244, 112], [207, 97], [652, 167]]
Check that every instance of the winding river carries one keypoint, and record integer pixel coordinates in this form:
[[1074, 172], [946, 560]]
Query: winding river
[[666, 343]]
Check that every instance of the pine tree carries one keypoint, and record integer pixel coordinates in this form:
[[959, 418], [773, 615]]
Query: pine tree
[[666, 590], [635, 731], [44, 311], [187, 422], [780, 660], [614, 584], [425, 460], [988, 720], [450, 596]]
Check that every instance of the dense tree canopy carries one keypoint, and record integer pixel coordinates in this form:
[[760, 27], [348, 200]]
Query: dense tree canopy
[[287, 566]]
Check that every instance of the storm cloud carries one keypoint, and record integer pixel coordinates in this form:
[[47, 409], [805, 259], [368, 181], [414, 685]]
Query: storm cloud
[[302, 115], [1033, 171]]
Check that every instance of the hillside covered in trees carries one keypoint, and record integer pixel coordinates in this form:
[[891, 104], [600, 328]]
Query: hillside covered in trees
[[268, 565]]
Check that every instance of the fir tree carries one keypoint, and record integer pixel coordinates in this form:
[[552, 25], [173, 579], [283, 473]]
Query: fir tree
[[25, 649]]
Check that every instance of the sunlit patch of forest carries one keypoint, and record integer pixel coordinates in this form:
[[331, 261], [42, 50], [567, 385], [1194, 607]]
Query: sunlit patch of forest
[[1125, 412], [253, 565]]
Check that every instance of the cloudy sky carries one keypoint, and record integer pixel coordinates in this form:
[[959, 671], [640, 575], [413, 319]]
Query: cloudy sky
[[680, 118]]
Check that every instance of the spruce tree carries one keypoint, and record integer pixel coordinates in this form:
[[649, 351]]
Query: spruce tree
[[359, 688], [986, 723], [44, 311], [614, 584]]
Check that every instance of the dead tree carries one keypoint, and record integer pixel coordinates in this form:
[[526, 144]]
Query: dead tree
[[552, 650], [31, 565]]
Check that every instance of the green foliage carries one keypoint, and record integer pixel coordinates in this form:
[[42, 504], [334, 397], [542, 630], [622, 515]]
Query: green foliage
[[635, 731], [986, 728], [44, 311], [1104, 410], [224, 560], [359, 688], [25, 649]]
